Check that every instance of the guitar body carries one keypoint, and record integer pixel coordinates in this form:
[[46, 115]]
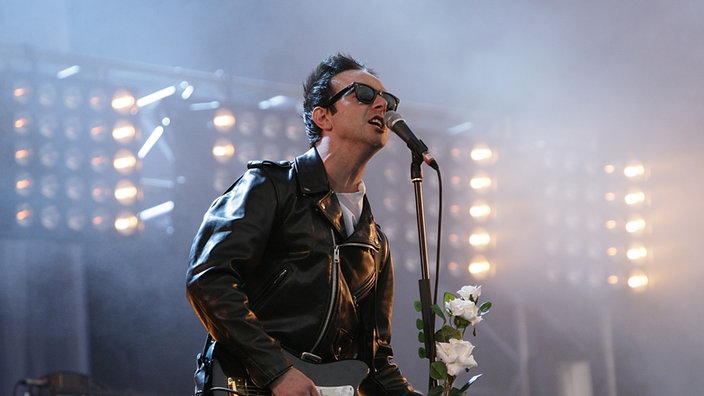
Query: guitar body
[[340, 378]]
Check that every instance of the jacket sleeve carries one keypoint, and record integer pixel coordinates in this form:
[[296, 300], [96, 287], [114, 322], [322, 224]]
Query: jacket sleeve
[[386, 377], [229, 245]]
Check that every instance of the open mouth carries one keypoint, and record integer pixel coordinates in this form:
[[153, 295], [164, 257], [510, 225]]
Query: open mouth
[[378, 122]]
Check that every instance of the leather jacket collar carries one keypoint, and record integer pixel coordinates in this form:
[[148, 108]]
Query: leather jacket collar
[[312, 180]]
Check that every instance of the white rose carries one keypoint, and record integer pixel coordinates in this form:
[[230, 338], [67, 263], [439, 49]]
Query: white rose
[[457, 355], [470, 291], [465, 309]]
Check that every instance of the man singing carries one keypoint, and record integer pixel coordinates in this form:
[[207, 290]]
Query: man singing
[[290, 257]]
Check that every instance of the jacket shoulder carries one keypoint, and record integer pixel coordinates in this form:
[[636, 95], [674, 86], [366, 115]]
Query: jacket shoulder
[[265, 163]]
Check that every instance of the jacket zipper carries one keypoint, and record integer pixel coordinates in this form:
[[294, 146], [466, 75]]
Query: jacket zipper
[[270, 287], [335, 272], [368, 284], [333, 293]]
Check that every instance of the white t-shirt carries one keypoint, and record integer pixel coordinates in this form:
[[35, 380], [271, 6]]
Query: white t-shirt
[[352, 204]]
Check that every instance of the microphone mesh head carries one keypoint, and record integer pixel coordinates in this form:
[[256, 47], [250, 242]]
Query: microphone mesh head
[[391, 117]]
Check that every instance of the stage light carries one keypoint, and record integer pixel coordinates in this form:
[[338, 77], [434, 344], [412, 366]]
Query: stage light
[[481, 183], [480, 239], [126, 192], [97, 99], [223, 150], [271, 126], [637, 280], [156, 96], [48, 125], [124, 132], [637, 253], [100, 219], [48, 155], [68, 72], [73, 128], [634, 170], [224, 120], [22, 123], [186, 89], [612, 280], [480, 211], [49, 186], [156, 211], [73, 159], [247, 123], [123, 102], [124, 162], [635, 225], [99, 131], [99, 161], [46, 94], [126, 223], [72, 98], [152, 139], [23, 153], [76, 219], [50, 217], [247, 151], [634, 198], [295, 130], [270, 151], [482, 154], [100, 191], [75, 188], [24, 184], [479, 267], [21, 91], [24, 215]]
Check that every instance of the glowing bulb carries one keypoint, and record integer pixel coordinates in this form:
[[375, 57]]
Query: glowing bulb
[[638, 280], [224, 120]]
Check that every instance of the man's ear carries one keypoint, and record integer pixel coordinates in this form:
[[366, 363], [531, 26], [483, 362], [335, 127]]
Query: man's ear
[[322, 117]]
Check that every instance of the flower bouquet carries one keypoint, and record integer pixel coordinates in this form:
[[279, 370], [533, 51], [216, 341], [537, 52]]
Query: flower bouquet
[[453, 353]]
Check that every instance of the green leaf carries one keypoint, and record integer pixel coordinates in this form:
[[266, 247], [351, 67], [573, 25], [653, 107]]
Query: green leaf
[[438, 370], [422, 353], [447, 332], [484, 308], [448, 297], [419, 324], [455, 392], [438, 311], [436, 391], [461, 322], [417, 305], [421, 337], [470, 382]]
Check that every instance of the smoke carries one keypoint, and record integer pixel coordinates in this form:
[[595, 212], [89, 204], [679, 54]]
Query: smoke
[[623, 76]]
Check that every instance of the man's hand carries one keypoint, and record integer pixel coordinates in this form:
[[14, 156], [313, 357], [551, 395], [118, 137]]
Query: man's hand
[[293, 383]]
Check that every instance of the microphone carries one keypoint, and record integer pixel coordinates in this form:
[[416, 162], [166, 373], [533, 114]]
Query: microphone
[[398, 125]]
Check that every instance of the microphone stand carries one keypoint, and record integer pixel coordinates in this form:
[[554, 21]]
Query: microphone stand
[[427, 314]]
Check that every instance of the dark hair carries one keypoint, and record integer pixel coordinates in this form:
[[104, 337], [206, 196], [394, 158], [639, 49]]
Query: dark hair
[[316, 89]]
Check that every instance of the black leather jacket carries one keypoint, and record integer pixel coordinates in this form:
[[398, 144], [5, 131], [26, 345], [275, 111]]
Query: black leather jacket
[[272, 266]]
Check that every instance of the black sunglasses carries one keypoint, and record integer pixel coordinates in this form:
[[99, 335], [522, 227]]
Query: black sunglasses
[[365, 94]]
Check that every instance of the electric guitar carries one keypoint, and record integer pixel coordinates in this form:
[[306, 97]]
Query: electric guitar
[[340, 378]]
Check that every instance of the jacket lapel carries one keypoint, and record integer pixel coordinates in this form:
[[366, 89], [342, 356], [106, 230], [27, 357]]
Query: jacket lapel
[[312, 180]]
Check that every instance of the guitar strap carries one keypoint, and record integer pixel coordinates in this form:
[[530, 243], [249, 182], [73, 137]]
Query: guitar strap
[[203, 376]]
